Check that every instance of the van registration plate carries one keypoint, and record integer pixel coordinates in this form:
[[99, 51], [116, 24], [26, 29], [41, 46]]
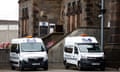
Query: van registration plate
[[95, 63], [35, 63]]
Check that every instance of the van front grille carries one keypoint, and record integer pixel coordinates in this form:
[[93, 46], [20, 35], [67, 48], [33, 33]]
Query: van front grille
[[36, 60], [95, 59]]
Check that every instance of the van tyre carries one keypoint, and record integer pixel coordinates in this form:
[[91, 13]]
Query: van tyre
[[21, 67], [79, 66], [45, 68], [66, 65], [12, 67], [102, 68]]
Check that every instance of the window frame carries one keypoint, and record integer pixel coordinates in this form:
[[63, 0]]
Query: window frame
[[16, 48], [68, 51]]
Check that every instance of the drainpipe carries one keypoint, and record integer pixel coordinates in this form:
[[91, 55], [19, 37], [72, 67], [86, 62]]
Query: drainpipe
[[102, 24]]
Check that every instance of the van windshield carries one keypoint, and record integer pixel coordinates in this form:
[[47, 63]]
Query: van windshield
[[32, 47], [89, 47]]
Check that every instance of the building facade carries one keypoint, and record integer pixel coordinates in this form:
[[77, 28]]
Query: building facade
[[81, 13], [25, 17], [73, 14], [8, 30], [32, 12]]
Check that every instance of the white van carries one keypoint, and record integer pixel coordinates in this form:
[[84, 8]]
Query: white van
[[28, 53], [83, 52]]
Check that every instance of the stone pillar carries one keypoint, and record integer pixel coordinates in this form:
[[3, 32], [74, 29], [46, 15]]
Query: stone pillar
[[68, 24], [35, 20], [73, 15], [71, 22], [68, 18], [78, 12]]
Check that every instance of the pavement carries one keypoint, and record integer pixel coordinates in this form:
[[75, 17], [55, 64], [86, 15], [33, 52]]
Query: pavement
[[58, 67]]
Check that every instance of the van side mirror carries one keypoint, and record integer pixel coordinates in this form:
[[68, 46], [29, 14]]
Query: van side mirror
[[17, 51], [76, 50]]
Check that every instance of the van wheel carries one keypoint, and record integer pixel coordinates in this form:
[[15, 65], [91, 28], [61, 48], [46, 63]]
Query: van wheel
[[12, 67], [45, 68], [79, 66], [102, 68], [21, 67], [66, 66]]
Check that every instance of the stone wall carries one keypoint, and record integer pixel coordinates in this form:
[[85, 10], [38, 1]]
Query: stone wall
[[4, 58], [113, 48]]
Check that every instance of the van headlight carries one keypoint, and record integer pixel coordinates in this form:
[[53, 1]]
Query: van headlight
[[45, 58], [83, 57], [23, 59]]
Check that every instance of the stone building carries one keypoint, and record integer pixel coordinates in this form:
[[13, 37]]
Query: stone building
[[74, 14], [31, 12], [25, 17], [71, 14], [81, 13]]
